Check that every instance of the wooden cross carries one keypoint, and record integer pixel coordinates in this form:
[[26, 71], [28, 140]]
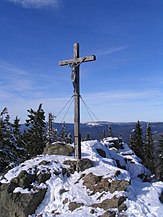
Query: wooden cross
[[75, 65]]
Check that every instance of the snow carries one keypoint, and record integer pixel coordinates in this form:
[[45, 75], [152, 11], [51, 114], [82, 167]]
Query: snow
[[142, 197], [23, 191], [97, 123]]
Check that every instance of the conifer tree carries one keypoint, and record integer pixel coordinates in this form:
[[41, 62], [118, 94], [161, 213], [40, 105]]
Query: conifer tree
[[8, 146], [110, 133], [63, 134], [149, 161], [35, 136], [161, 158], [104, 134], [18, 139], [4, 157], [69, 138], [16, 127], [88, 137], [51, 131], [136, 141]]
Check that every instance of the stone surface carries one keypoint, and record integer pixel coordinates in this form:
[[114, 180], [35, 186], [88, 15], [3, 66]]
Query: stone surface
[[103, 185], [114, 202], [122, 207], [43, 177], [78, 165], [161, 197], [59, 149], [84, 164], [108, 214], [18, 204], [101, 152], [24, 179], [65, 201], [91, 180], [22, 204], [98, 184], [74, 205], [44, 162], [63, 191], [72, 164], [118, 185]]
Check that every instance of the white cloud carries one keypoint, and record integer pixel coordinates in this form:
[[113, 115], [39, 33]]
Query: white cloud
[[14, 78], [123, 95], [36, 3], [21, 90], [126, 105], [110, 50]]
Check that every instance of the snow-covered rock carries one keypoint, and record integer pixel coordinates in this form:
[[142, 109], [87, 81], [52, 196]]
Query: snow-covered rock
[[109, 185]]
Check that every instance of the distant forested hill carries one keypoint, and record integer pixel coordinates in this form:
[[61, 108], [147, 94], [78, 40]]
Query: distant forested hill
[[97, 130]]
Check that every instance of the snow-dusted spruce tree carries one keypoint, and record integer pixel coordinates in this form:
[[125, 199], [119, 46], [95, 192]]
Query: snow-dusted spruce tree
[[149, 154], [18, 138], [161, 158], [63, 134], [87, 137], [51, 131], [136, 141], [35, 135], [8, 144], [110, 132], [69, 138]]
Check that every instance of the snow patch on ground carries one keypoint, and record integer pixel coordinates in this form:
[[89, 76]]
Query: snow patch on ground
[[142, 197]]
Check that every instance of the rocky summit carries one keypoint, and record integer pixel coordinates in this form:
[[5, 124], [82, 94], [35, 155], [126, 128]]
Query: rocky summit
[[109, 181]]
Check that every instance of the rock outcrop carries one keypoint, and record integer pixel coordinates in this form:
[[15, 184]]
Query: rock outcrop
[[19, 197], [79, 165], [114, 202], [99, 184], [59, 148]]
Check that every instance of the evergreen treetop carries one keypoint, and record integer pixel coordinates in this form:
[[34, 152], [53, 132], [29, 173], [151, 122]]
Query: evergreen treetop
[[136, 141], [149, 150], [35, 136]]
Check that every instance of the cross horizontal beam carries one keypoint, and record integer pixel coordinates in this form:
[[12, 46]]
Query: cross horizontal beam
[[77, 60]]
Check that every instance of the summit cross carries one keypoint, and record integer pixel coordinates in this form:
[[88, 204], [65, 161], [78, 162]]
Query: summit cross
[[75, 66]]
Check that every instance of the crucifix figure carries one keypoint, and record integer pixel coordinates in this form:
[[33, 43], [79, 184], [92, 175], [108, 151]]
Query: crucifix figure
[[75, 65]]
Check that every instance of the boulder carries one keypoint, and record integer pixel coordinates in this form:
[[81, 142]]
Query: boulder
[[65, 201], [23, 203], [24, 179], [74, 205], [91, 180], [114, 202], [44, 162], [103, 185], [63, 191], [59, 149], [72, 164], [108, 214], [19, 204], [79, 165], [118, 185], [84, 164], [101, 152], [98, 184], [43, 177], [65, 172]]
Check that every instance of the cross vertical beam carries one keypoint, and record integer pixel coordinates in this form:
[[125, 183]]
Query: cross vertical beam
[[77, 137], [75, 65]]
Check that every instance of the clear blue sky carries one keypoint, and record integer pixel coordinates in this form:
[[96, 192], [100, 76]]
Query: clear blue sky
[[125, 83]]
